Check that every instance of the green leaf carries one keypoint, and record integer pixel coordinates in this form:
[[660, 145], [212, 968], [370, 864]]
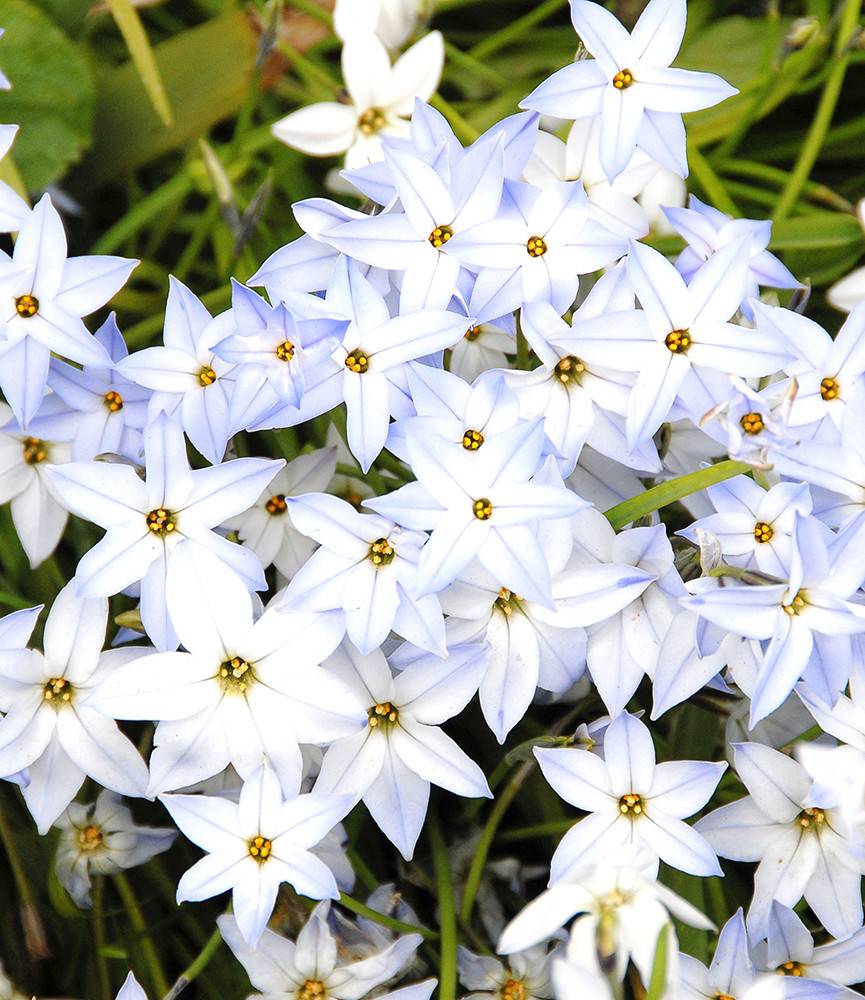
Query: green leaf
[[674, 489], [206, 71], [127, 20], [818, 231], [658, 982], [51, 96], [69, 14]]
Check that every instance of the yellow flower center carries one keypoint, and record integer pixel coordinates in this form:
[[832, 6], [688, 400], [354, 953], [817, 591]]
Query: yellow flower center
[[795, 606], [161, 521], [482, 509], [631, 805], [536, 246], [440, 235], [791, 969], [507, 601], [472, 333], [357, 361], [381, 552], [811, 818], [830, 389], [678, 341], [90, 838], [276, 504], [285, 351], [26, 306], [312, 989], [513, 989], [383, 714], [371, 121], [623, 79], [34, 451], [57, 689], [763, 532], [472, 440], [113, 401], [236, 675], [752, 423], [569, 369], [260, 848]]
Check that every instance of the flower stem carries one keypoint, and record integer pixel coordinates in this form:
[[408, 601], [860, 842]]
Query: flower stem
[[813, 143], [34, 932], [447, 913], [99, 937], [139, 925], [711, 182], [196, 967], [350, 903], [463, 130]]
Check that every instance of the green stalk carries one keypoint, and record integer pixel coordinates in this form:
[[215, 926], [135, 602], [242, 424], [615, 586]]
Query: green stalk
[[825, 110], [198, 965], [463, 130], [674, 489], [362, 910], [774, 175], [476, 871], [711, 182], [462, 60], [142, 932], [447, 913], [105, 991], [34, 932], [550, 829]]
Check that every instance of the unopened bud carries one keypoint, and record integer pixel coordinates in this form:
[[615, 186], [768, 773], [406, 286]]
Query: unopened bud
[[803, 31]]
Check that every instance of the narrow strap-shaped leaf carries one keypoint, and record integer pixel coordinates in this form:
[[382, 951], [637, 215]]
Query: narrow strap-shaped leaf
[[126, 17], [672, 490]]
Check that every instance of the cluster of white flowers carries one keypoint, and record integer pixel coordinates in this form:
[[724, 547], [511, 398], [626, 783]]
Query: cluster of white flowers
[[510, 361]]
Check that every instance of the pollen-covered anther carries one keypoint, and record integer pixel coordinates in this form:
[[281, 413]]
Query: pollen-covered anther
[[536, 246], [381, 552], [276, 504], [57, 689], [161, 521], [235, 674], [34, 450], [678, 341], [507, 601], [631, 805], [206, 376], [382, 714], [90, 838], [482, 509], [260, 848], [440, 235], [312, 989], [796, 606], [513, 989], [357, 361], [569, 369], [752, 423], [472, 440], [371, 121], [623, 79], [763, 532], [26, 306], [792, 969], [285, 351], [472, 333], [113, 401], [829, 388], [811, 818]]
